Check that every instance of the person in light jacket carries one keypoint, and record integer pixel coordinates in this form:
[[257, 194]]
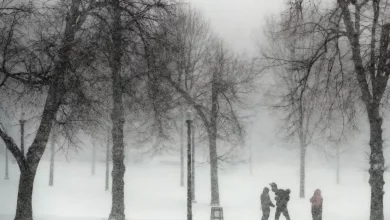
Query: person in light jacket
[[316, 205]]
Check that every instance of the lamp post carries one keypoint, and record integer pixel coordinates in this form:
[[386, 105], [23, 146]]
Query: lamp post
[[181, 149], [189, 166], [193, 163]]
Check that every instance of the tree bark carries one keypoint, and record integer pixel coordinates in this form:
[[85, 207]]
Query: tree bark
[[24, 203], [6, 164], [52, 156], [377, 163], [21, 121], [28, 164], [108, 163], [213, 141], [372, 101], [302, 171], [214, 170], [117, 117]]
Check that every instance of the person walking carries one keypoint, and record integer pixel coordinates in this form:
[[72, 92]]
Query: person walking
[[316, 205], [281, 197], [266, 203]]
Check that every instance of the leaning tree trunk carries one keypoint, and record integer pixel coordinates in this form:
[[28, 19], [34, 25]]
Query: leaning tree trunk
[[117, 117], [52, 157], [213, 142], [377, 163], [28, 165], [6, 164]]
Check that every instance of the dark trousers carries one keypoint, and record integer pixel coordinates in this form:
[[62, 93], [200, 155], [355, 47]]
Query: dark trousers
[[316, 213], [280, 210], [266, 212]]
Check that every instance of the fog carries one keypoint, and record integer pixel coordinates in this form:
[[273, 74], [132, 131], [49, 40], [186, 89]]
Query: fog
[[154, 187]]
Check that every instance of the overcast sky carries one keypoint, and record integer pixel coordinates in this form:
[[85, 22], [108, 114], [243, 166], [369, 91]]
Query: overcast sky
[[237, 20], [240, 24]]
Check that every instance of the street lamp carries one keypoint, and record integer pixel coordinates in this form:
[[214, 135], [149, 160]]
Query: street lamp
[[189, 166], [193, 163]]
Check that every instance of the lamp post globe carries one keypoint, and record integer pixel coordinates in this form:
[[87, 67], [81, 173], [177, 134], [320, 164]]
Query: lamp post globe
[[189, 116]]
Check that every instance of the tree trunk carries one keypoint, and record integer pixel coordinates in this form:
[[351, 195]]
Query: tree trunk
[[117, 117], [302, 171], [213, 142], [338, 165], [24, 202], [377, 163], [28, 164], [181, 148], [214, 170], [21, 121], [52, 156], [108, 163], [6, 164], [250, 156], [302, 132], [93, 158]]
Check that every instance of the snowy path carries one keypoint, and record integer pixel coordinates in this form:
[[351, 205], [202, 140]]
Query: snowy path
[[153, 193]]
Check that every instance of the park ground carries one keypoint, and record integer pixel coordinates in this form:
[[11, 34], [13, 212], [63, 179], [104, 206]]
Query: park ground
[[153, 192]]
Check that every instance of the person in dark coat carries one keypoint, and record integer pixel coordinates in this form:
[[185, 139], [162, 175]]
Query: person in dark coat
[[266, 203], [316, 205], [281, 197]]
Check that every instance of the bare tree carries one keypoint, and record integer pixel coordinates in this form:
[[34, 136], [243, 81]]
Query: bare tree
[[358, 30], [121, 33], [30, 60], [205, 74]]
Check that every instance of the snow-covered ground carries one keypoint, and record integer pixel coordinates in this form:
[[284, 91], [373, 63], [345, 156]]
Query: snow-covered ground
[[153, 193]]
